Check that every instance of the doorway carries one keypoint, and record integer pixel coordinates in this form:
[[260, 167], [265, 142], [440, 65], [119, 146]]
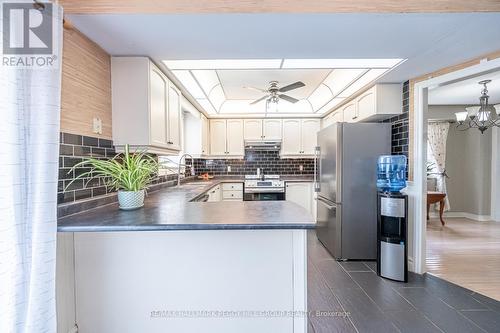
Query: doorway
[[463, 243]]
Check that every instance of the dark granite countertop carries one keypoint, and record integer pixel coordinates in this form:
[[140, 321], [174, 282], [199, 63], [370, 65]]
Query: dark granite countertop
[[170, 209]]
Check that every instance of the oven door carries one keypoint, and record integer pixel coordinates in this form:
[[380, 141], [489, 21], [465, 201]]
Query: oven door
[[264, 196]]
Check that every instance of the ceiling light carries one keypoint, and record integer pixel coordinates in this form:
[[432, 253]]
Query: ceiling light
[[224, 64], [339, 79], [320, 97], [340, 63], [189, 83], [206, 105], [482, 117], [364, 80], [207, 79], [217, 97], [331, 105]]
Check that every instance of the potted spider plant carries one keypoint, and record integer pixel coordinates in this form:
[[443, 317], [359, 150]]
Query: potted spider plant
[[129, 174]]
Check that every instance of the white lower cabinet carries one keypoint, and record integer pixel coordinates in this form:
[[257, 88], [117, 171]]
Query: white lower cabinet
[[214, 194], [300, 193], [232, 192], [226, 192]]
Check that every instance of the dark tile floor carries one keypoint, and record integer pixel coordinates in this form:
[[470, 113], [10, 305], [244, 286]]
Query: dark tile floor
[[350, 297]]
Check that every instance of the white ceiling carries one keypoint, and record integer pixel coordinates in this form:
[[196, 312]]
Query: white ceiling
[[428, 41], [466, 92]]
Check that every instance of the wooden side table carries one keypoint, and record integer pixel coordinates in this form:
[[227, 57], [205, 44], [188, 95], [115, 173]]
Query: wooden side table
[[434, 197]]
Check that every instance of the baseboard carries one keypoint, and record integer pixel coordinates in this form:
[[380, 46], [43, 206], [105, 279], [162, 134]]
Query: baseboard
[[475, 217]]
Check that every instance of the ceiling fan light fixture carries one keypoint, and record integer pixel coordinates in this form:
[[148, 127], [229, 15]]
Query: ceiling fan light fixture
[[272, 105]]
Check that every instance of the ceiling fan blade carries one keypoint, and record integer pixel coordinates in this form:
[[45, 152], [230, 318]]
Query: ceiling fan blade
[[258, 100], [288, 98], [257, 89], [292, 86]]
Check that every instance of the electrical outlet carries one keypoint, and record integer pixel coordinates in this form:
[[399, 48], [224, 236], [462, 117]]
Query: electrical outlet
[[228, 168], [301, 167], [97, 125]]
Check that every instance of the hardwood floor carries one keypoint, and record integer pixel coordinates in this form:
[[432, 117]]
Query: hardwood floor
[[350, 297], [465, 252]]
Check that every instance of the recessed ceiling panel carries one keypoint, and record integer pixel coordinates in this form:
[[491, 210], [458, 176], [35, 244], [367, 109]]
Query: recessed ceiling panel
[[364, 80], [207, 79], [235, 81], [339, 79]]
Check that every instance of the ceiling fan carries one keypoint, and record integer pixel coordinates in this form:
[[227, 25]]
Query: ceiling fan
[[273, 93]]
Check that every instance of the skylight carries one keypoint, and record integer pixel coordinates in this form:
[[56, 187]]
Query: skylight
[[224, 64], [340, 63], [341, 79]]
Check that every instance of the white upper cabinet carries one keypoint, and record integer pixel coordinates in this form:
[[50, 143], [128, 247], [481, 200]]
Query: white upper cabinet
[[226, 138], [299, 136], [380, 102], [291, 144], [309, 130], [271, 129], [332, 118], [349, 112], [234, 137], [174, 117], [218, 137], [262, 129], [146, 107], [253, 129], [205, 135], [158, 117]]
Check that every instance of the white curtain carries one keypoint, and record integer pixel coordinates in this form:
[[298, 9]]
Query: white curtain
[[437, 135], [29, 139]]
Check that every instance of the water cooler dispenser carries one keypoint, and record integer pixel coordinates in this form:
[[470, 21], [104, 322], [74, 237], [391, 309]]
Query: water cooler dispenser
[[392, 245], [392, 222]]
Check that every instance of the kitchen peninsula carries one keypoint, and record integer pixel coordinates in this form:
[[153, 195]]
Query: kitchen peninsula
[[183, 266]]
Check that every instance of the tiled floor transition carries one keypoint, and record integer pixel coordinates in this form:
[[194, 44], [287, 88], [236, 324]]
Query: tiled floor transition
[[350, 297]]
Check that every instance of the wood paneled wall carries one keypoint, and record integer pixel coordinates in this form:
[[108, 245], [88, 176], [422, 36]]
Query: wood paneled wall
[[411, 123], [86, 85], [278, 6]]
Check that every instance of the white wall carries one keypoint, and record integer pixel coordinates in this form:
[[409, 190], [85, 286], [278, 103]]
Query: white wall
[[468, 164], [495, 174]]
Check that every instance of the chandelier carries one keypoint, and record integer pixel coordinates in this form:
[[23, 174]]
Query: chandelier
[[481, 117]]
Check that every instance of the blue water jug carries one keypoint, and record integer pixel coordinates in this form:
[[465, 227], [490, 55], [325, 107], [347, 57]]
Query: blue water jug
[[391, 173]]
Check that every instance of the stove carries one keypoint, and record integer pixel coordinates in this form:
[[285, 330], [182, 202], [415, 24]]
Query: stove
[[259, 188]]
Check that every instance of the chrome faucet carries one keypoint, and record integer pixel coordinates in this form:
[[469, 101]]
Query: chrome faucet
[[184, 165]]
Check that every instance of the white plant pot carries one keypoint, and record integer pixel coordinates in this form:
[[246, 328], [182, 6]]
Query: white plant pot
[[130, 199]]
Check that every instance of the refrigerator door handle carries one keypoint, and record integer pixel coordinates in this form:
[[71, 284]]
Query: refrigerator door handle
[[326, 203], [317, 169]]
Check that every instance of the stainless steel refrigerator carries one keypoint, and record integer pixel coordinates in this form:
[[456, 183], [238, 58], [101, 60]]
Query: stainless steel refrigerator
[[346, 186]]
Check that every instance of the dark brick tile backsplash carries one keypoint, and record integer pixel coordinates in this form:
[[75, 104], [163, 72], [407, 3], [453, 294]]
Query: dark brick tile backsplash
[[73, 149], [268, 161], [400, 125]]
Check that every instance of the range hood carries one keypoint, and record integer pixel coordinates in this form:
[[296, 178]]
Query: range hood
[[262, 144]]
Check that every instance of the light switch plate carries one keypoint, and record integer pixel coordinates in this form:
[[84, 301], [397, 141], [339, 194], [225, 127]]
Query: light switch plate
[[97, 125]]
